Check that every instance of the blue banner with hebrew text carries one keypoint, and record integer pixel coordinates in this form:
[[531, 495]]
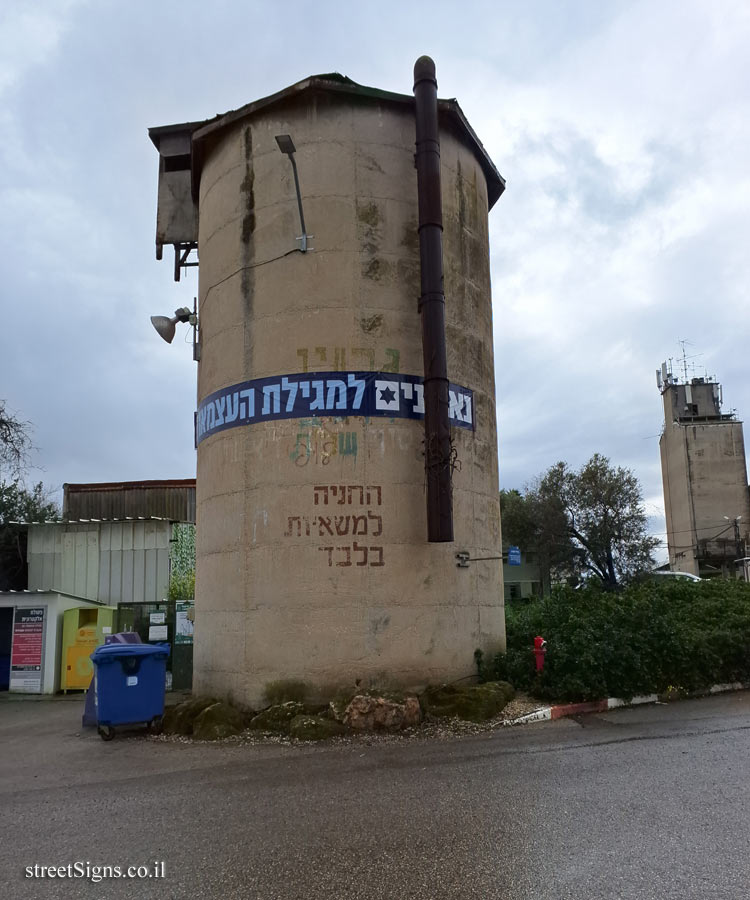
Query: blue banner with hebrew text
[[324, 394]]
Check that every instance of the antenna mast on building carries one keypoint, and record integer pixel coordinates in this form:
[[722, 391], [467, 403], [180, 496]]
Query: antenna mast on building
[[685, 359]]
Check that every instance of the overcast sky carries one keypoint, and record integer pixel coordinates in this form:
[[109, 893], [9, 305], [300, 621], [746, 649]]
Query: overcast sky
[[622, 129]]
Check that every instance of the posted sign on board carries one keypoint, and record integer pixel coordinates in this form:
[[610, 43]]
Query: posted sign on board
[[28, 650], [514, 556]]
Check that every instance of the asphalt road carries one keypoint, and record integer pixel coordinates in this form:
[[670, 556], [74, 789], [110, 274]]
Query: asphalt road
[[650, 802]]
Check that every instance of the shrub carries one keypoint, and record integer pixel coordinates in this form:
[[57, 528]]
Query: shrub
[[641, 640]]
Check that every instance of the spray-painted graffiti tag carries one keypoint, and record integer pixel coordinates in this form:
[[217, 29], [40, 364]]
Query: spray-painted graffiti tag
[[321, 444], [327, 393]]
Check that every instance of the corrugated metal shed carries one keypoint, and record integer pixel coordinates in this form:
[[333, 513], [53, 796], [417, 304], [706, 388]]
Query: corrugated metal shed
[[173, 500], [111, 562]]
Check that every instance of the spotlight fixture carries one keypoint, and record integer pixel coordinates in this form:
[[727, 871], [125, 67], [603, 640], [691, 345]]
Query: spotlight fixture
[[165, 326], [286, 145]]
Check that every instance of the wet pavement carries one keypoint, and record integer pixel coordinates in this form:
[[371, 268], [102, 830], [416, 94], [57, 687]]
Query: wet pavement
[[649, 802]]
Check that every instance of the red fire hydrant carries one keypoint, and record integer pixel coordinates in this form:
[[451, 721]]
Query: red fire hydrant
[[540, 648]]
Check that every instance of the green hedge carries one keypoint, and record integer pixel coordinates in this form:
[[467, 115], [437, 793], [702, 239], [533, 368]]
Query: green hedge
[[645, 639]]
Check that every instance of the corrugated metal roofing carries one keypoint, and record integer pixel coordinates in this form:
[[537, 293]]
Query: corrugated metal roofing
[[90, 521], [37, 591], [172, 500]]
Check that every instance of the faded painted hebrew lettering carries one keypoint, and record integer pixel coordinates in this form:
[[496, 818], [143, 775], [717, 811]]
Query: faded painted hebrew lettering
[[319, 356], [366, 556], [340, 491], [379, 520], [343, 524], [352, 494], [393, 365], [298, 520], [329, 551], [359, 524], [358, 548]]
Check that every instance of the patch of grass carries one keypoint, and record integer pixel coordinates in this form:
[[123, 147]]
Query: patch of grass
[[284, 690]]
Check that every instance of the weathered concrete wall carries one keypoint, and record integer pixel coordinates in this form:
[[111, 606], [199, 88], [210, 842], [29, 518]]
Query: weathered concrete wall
[[287, 585]]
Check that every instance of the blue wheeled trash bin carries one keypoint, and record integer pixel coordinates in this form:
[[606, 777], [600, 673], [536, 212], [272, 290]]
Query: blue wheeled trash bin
[[129, 686]]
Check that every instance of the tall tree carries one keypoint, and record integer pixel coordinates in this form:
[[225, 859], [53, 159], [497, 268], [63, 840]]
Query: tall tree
[[597, 520], [17, 502]]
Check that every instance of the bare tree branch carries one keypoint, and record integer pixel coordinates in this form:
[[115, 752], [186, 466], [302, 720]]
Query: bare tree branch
[[15, 442]]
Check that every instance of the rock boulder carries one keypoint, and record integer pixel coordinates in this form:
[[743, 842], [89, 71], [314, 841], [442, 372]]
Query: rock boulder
[[179, 719], [277, 719], [366, 712], [471, 702], [218, 721]]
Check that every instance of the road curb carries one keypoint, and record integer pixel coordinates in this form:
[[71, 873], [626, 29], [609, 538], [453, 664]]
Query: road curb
[[560, 711]]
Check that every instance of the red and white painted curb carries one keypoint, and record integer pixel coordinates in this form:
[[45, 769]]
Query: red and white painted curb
[[547, 713]]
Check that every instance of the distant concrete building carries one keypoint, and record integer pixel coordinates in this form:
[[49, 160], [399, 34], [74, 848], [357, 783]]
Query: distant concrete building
[[704, 474]]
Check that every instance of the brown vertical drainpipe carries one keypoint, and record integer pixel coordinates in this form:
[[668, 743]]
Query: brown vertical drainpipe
[[437, 434]]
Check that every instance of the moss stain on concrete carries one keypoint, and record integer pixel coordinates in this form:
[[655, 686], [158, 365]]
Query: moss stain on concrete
[[371, 324]]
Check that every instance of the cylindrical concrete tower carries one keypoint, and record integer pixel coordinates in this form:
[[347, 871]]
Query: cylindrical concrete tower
[[312, 552]]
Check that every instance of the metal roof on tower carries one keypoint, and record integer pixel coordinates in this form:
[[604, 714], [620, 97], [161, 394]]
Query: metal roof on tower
[[451, 115]]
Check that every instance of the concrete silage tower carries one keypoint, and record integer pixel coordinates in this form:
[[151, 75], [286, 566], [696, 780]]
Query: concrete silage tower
[[704, 476], [313, 557]]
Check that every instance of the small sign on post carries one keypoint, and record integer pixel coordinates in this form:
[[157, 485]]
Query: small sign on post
[[514, 556]]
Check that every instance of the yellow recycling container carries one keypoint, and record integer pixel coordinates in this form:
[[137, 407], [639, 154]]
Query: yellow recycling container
[[84, 629]]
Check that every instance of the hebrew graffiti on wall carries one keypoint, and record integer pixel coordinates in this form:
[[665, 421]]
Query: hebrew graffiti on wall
[[359, 523], [325, 393], [319, 445], [313, 358]]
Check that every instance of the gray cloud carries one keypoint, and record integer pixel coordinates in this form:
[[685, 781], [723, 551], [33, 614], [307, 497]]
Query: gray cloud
[[622, 129]]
